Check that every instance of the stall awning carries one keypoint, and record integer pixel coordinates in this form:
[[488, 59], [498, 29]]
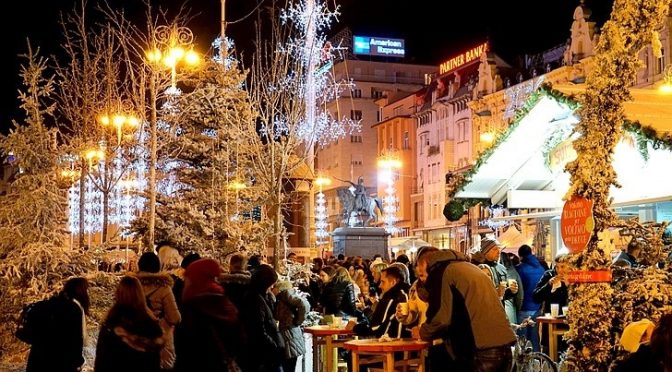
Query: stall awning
[[526, 169]]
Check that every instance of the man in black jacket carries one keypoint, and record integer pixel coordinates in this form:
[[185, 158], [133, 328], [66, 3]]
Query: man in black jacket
[[383, 321]]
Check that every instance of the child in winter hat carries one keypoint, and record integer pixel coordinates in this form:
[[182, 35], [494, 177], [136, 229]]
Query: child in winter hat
[[200, 278]]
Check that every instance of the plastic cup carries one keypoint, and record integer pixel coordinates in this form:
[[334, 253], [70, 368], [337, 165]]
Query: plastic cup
[[555, 310], [565, 310], [404, 308]]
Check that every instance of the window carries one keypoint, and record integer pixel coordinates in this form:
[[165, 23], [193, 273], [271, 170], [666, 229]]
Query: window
[[660, 62], [375, 93], [355, 139], [407, 141], [356, 93], [356, 114]]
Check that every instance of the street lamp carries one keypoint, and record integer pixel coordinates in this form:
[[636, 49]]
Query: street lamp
[[172, 45], [387, 166], [120, 122], [321, 225], [174, 48]]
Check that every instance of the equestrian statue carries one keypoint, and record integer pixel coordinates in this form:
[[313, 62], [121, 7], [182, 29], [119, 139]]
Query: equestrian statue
[[357, 204]]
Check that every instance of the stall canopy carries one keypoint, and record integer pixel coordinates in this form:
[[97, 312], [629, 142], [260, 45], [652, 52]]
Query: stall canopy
[[526, 168]]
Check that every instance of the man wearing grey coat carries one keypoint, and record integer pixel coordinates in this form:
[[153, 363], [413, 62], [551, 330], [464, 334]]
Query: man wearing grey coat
[[290, 312]]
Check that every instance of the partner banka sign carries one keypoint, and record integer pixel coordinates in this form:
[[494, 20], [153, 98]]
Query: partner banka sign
[[375, 46]]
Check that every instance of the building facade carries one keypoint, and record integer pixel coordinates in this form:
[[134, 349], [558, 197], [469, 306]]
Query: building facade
[[355, 155]]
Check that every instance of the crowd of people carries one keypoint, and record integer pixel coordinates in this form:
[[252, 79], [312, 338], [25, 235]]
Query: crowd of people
[[190, 314]]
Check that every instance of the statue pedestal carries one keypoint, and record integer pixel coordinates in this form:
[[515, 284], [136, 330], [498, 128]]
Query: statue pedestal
[[361, 241]]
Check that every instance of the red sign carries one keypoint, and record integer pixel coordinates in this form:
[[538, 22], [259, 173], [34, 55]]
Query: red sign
[[576, 223], [598, 276]]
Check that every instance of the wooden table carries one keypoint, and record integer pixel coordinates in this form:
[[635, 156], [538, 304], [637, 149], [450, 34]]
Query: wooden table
[[326, 335], [552, 323], [387, 349]]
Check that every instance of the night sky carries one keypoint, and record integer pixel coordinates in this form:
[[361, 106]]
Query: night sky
[[433, 30]]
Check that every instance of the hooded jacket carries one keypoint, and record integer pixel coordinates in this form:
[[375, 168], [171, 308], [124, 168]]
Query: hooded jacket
[[290, 311], [530, 271], [464, 308], [129, 342], [236, 285], [158, 289]]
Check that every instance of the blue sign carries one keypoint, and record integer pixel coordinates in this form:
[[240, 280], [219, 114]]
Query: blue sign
[[375, 46]]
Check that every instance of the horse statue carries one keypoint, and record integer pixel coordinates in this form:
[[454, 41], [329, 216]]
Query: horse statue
[[354, 207]]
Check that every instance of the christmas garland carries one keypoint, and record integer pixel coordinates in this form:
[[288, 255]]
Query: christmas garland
[[458, 181]]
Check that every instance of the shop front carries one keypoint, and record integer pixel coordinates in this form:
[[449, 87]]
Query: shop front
[[524, 170]]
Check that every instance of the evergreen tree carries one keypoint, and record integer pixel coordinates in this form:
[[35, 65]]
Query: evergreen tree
[[34, 251], [203, 206]]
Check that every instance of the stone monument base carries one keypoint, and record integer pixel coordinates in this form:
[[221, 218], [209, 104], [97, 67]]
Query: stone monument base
[[361, 241]]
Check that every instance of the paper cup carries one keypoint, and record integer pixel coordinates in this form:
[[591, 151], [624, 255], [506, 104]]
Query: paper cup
[[404, 308]]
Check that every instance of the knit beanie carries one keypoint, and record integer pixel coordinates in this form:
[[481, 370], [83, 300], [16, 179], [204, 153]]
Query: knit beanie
[[200, 278], [262, 278], [487, 244], [633, 332]]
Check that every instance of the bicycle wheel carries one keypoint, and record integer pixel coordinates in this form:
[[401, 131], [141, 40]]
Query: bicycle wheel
[[538, 362]]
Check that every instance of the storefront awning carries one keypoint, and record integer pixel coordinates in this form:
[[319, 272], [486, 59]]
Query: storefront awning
[[526, 168]]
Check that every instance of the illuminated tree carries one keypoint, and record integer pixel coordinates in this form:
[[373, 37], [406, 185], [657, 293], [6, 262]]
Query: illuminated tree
[[633, 25]]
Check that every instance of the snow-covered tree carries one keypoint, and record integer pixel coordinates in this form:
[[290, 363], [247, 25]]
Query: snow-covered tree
[[34, 250], [210, 192], [632, 26]]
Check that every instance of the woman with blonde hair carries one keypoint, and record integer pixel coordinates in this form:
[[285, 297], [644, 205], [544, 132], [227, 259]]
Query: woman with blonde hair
[[130, 337]]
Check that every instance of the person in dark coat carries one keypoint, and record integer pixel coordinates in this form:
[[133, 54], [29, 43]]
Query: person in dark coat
[[383, 320], [130, 337], [59, 348], [290, 312], [210, 337], [552, 289], [266, 348], [530, 271], [237, 281], [338, 295]]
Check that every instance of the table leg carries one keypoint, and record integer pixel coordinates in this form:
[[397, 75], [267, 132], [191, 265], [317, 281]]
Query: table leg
[[421, 363], [316, 354], [552, 342], [329, 353], [355, 361], [388, 362]]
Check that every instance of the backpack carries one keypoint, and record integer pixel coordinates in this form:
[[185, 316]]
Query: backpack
[[34, 320]]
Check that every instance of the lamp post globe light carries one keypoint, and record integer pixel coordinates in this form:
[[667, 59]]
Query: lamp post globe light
[[172, 47]]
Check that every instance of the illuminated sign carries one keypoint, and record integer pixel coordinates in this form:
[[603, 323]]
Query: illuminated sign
[[378, 46], [462, 58]]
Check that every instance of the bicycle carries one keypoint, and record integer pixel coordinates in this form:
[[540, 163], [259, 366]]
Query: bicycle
[[526, 360]]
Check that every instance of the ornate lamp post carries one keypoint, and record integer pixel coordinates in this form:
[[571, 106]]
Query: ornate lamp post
[[172, 46], [321, 225], [387, 166]]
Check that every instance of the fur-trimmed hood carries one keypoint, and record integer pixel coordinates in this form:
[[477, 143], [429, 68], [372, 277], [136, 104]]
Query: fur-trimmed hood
[[154, 279], [239, 277]]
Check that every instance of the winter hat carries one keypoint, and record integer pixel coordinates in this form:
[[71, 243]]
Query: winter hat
[[487, 244], [633, 333], [200, 278], [377, 265], [283, 285], [262, 278]]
